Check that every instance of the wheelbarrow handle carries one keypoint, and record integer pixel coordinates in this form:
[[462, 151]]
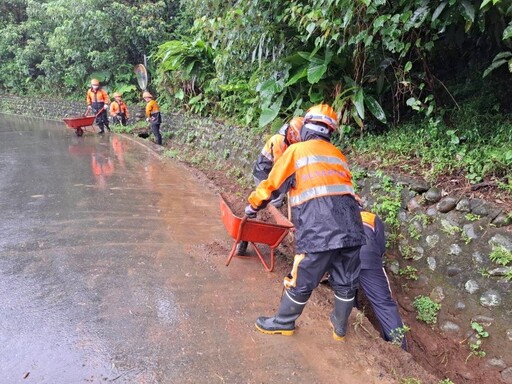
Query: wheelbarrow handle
[[242, 222], [97, 113]]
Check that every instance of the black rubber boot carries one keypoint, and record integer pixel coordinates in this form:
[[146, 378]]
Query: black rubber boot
[[242, 248], [339, 317], [284, 321]]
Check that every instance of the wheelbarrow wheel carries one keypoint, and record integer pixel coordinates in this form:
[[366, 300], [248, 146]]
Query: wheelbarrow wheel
[[242, 248], [79, 131]]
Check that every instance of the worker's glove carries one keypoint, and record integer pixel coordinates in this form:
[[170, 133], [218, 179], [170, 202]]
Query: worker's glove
[[105, 106], [250, 212], [148, 120]]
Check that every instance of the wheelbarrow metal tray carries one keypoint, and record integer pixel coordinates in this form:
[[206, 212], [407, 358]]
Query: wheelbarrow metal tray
[[255, 231], [79, 121]]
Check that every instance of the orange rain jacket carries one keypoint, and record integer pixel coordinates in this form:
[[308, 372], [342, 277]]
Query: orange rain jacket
[[153, 112], [325, 212], [97, 99], [118, 107], [270, 153]]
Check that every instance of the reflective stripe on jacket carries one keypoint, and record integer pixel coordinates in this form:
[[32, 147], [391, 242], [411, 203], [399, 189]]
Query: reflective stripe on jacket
[[97, 99], [324, 210], [118, 107], [371, 254], [270, 153]]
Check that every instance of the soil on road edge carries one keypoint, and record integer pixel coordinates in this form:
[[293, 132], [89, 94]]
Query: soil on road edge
[[366, 355]]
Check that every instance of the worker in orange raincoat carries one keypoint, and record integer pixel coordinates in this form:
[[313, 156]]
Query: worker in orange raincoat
[[325, 212], [274, 148], [97, 103], [119, 110], [374, 281], [153, 116]]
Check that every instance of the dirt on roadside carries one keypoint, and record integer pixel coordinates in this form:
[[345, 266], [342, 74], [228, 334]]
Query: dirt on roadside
[[432, 356]]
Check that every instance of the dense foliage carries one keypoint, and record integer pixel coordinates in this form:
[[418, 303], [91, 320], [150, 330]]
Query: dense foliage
[[374, 60], [442, 65], [56, 46]]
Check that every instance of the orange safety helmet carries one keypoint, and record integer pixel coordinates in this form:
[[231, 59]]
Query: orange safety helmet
[[293, 131], [95, 82], [117, 94], [322, 113], [146, 94]]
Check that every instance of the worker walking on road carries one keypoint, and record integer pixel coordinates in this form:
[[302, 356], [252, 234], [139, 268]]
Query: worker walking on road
[[119, 110], [329, 230], [374, 281], [153, 116], [97, 103]]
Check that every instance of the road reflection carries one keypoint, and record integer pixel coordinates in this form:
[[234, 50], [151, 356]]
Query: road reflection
[[103, 156]]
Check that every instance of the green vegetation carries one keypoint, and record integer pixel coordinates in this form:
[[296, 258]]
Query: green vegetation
[[476, 346], [406, 251], [388, 203], [410, 380], [56, 46], [464, 236], [449, 228], [422, 86], [171, 153], [472, 217], [414, 232], [409, 273], [501, 255], [398, 335], [427, 309]]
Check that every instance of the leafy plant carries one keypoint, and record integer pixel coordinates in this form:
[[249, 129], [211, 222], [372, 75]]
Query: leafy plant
[[465, 237], [388, 204], [472, 217], [406, 251], [410, 380], [501, 255], [398, 334], [476, 346], [484, 272], [449, 228], [409, 272], [171, 153], [427, 309], [187, 67], [413, 231]]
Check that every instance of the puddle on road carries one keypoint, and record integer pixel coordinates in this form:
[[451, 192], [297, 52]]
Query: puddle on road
[[92, 255]]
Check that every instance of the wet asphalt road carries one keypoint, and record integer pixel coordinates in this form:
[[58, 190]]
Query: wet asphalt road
[[104, 278], [86, 257]]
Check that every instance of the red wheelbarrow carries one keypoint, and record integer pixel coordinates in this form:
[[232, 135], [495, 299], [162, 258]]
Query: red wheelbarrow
[[255, 231], [78, 123]]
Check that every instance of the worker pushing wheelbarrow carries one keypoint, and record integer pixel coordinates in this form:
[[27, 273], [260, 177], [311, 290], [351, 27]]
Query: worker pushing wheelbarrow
[[255, 232]]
